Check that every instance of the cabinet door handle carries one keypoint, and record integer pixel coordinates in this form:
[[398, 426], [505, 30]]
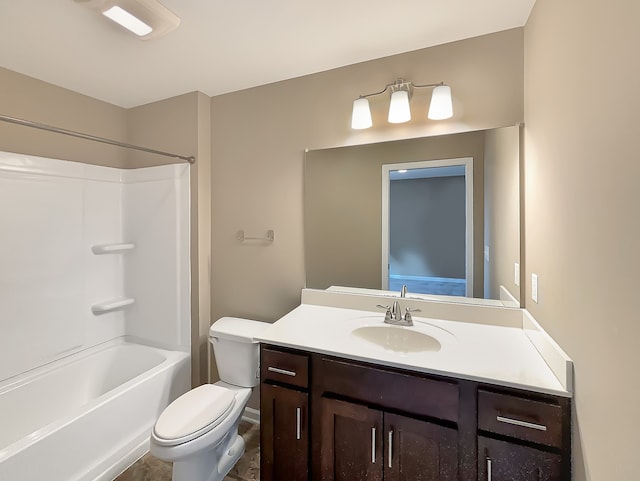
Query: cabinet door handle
[[390, 447], [488, 469], [281, 371], [298, 424], [524, 424], [373, 445]]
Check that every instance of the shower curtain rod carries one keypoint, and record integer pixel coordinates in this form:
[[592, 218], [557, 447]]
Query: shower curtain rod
[[72, 133]]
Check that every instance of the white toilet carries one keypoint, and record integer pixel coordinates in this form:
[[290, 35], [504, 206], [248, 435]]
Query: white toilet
[[198, 432]]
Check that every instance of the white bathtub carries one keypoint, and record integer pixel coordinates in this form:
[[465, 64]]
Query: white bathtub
[[87, 416]]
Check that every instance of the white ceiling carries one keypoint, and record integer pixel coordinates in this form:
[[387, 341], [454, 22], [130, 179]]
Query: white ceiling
[[224, 46]]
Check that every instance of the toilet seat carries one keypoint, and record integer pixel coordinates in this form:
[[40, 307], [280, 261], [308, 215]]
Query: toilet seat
[[193, 414]]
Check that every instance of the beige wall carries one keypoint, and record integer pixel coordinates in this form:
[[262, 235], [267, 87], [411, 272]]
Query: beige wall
[[30, 99], [259, 136], [502, 209], [200, 337], [582, 224], [170, 125]]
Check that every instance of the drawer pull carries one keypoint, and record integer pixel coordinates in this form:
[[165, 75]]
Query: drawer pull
[[281, 371], [390, 447], [488, 469], [373, 445], [298, 415], [524, 424]]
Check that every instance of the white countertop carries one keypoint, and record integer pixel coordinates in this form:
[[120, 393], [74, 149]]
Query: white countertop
[[495, 354]]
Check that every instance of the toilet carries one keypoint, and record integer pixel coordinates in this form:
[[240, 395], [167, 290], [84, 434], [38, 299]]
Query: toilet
[[198, 432]]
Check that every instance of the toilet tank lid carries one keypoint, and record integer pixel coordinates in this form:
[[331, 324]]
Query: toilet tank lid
[[237, 329]]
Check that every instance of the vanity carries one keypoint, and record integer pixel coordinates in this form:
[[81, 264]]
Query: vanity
[[463, 394]]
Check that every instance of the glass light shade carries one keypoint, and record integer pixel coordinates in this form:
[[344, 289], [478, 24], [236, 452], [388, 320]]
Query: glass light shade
[[399, 110], [127, 20], [361, 115], [441, 107]]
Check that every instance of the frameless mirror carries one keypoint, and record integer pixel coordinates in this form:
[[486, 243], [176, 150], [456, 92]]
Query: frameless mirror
[[438, 214]]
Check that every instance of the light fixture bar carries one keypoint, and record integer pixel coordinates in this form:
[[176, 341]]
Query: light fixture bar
[[440, 107], [127, 20]]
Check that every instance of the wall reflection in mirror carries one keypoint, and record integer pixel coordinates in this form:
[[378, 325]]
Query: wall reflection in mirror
[[429, 229]]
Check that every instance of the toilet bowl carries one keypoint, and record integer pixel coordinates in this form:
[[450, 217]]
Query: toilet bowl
[[198, 432]]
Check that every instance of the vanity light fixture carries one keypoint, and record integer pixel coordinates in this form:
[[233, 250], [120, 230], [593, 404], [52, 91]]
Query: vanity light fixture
[[440, 107], [144, 18]]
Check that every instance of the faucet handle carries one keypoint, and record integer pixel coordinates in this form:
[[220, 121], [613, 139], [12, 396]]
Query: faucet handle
[[387, 315], [407, 314]]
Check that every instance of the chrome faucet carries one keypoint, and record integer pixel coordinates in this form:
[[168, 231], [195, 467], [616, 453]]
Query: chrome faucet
[[396, 312], [394, 315], [403, 291]]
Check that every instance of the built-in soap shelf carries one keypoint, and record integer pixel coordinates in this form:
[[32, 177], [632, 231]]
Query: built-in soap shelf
[[113, 248], [118, 303], [111, 305]]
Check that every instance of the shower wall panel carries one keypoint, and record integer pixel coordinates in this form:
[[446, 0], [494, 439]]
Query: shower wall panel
[[56, 292]]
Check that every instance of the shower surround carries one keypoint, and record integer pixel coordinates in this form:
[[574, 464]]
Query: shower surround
[[89, 256]]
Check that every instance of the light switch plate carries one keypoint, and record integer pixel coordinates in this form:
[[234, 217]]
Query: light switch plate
[[534, 287]]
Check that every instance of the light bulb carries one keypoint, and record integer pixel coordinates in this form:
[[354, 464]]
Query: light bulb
[[128, 21], [399, 110], [361, 115], [441, 107]]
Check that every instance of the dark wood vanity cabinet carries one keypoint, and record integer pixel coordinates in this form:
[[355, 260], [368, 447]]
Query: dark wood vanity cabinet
[[382, 424], [284, 416], [330, 419], [523, 437], [508, 461], [358, 442]]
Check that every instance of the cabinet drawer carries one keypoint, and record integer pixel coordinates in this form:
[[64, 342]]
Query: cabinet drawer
[[521, 418], [411, 393], [284, 367]]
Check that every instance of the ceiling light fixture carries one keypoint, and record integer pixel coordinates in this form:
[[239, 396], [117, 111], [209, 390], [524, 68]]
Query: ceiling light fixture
[[440, 107], [145, 18], [128, 21]]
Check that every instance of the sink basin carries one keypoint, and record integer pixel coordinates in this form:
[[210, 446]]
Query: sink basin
[[398, 339]]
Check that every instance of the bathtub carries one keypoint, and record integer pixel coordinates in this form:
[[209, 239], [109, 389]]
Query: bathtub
[[87, 416]]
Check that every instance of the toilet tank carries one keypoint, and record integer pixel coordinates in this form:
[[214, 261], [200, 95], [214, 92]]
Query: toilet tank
[[237, 353]]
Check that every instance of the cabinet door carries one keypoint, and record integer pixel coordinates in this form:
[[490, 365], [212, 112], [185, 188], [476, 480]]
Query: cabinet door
[[419, 451], [351, 442], [504, 461], [284, 441]]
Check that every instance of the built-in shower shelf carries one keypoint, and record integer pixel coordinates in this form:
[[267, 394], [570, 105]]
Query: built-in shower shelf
[[115, 248], [111, 305]]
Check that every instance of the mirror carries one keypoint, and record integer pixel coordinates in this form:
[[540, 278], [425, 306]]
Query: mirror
[[343, 205]]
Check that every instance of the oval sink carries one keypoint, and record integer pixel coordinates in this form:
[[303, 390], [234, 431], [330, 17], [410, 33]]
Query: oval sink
[[398, 339]]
